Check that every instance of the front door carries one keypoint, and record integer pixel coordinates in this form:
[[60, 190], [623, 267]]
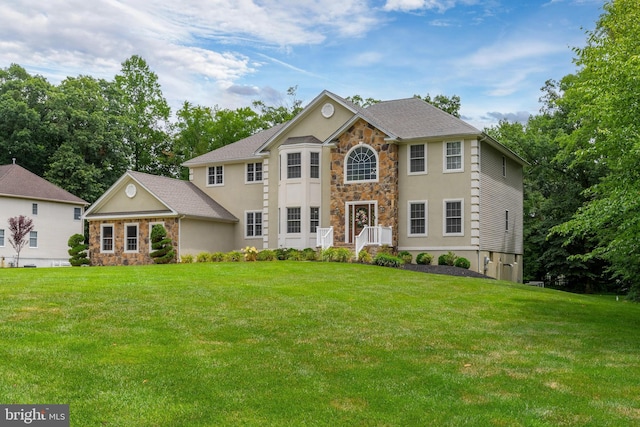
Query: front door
[[361, 215]]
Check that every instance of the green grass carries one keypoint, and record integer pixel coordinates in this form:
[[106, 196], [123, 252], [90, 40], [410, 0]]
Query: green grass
[[298, 343]]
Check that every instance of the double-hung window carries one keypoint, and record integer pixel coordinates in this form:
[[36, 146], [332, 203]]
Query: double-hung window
[[417, 159], [418, 218], [131, 237], [254, 172], [1, 238], [314, 165], [314, 219], [254, 224], [294, 220], [453, 156], [106, 238], [34, 209], [294, 165], [77, 213], [453, 218], [215, 175], [33, 239]]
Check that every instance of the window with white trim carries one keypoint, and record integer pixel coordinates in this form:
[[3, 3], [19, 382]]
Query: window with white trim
[[453, 156], [77, 214], [131, 238], [254, 224], [33, 239], [254, 172], [215, 175], [294, 220], [417, 159], [1, 238], [34, 209], [453, 218], [417, 218], [314, 165], [361, 164], [106, 238], [294, 165], [314, 219]]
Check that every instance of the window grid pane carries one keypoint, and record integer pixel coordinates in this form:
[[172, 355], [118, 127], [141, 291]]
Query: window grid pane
[[77, 213], [417, 163], [454, 217], [361, 165], [294, 165], [314, 219], [1, 238], [107, 238], [293, 220], [33, 239], [418, 218], [132, 237], [454, 155], [216, 175], [315, 165]]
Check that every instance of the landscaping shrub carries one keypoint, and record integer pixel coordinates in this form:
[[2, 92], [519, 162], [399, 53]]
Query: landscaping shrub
[[293, 255], [234, 256], [217, 257], [424, 258], [387, 260], [203, 257], [365, 257], [267, 255], [447, 259], [406, 256], [337, 255], [250, 253], [78, 250], [309, 254], [163, 252], [462, 263], [281, 254], [187, 259]]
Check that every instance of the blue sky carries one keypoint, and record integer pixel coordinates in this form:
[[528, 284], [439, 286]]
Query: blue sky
[[494, 54]]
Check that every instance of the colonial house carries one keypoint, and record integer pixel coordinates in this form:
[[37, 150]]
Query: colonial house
[[400, 173], [56, 215]]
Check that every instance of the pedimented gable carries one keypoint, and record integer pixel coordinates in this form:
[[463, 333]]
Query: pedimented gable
[[128, 197]]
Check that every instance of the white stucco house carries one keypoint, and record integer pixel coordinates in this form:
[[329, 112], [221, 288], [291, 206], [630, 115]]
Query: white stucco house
[[56, 214]]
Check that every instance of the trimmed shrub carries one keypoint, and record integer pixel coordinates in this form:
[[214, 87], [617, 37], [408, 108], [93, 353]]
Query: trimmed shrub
[[78, 250], [309, 254], [424, 258], [447, 259], [406, 256], [281, 254], [217, 257], [234, 256], [187, 259], [462, 263], [365, 257], [293, 255], [250, 253], [203, 257], [337, 255], [386, 260], [267, 255], [163, 252]]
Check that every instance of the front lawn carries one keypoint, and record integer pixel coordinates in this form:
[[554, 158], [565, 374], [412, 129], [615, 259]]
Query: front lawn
[[309, 343]]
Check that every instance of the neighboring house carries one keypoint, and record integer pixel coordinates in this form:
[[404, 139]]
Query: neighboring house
[[56, 215], [401, 173], [120, 221]]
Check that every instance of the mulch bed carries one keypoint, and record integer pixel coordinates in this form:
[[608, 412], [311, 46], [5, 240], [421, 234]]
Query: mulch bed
[[444, 269]]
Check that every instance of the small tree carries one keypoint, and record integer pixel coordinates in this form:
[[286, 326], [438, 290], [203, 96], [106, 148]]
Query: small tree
[[19, 229], [78, 250], [163, 252]]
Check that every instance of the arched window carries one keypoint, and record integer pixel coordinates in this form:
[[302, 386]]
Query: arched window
[[362, 164]]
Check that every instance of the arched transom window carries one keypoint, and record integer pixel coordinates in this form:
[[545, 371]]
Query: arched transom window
[[362, 164]]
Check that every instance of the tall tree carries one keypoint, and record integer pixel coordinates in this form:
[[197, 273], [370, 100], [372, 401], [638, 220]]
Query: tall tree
[[19, 229], [605, 93], [449, 104], [144, 117], [274, 115]]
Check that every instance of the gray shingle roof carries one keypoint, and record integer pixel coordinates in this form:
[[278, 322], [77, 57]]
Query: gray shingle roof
[[16, 181]]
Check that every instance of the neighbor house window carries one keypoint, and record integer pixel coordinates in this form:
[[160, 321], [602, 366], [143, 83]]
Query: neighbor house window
[[106, 239], [77, 213], [504, 166], [294, 222], [314, 219], [453, 156], [362, 164], [417, 158], [131, 237], [215, 175], [453, 217], [33, 239], [417, 218], [294, 165], [314, 165], [254, 172], [254, 224], [34, 208], [506, 220], [1, 238]]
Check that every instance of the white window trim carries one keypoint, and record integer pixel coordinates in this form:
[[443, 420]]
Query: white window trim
[[113, 238], [30, 234], [216, 174], [444, 157], [409, 172], [319, 165], [246, 172], [444, 217], [301, 165], [426, 218], [151, 224], [34, 209], [311, 219], [126, 243], [74, 214], [254, 236], [301, 220], [346, 157]]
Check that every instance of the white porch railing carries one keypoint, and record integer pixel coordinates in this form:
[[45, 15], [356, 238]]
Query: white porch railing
[[324, 237], [377, 235]]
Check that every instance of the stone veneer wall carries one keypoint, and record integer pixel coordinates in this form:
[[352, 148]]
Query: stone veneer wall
[[119, 257], [384, 191]]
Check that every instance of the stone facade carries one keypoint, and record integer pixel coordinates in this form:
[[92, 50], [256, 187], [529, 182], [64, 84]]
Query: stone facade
[[119, 256], [384, 191]]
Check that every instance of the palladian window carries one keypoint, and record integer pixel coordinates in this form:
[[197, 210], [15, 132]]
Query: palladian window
[[362, 164]]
